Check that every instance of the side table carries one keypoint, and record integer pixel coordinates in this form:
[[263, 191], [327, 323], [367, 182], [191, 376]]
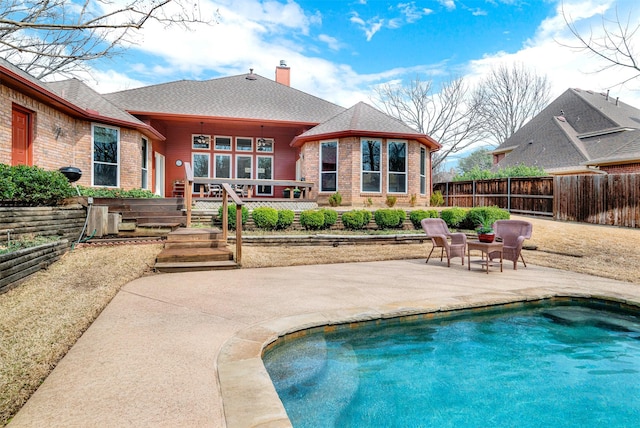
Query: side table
[[485, 248]]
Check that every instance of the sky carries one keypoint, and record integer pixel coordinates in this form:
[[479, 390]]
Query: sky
[[339, 50]]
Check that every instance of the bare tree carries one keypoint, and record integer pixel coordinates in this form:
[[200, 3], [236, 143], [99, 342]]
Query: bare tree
[[44, 37], [508, 98], [615, 45], [450, 116]]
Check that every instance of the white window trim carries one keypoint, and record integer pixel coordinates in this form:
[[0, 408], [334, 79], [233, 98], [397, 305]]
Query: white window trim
[[258, 157], [244, 151], [271, 149], [236, 164], [223, 136], [406, 166], [337, 165], [193, 140], [145, 169], [193, 155], [215, 165], [362, 171], [423, 176], [93, 162]]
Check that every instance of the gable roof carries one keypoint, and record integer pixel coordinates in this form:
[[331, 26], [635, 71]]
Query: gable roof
[[363, 120], [576, 130], [246, 96]]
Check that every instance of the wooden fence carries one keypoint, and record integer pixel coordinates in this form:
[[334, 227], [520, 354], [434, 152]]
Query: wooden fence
[[612, 199]]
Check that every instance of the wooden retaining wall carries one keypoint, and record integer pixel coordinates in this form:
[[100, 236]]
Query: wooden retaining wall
[[16, 266], [22, 222]]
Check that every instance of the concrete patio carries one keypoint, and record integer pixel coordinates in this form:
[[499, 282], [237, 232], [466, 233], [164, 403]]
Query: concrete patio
[[184, 349]]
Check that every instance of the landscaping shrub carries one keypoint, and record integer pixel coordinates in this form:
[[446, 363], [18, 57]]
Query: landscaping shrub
[[484, 215], [312, 219], [453, 216], [330, 217], [416, 216], [285, 218], [231, 209], [104, 192], [265, 218], [388, 218], [335, 200], [32, 185], [391, 201], [355, 219], [436, 200]]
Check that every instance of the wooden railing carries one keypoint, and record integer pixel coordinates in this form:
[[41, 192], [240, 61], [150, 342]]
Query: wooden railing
[[305, 187]]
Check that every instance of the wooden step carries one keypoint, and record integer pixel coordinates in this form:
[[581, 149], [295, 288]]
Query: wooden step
[[192, 234], [196, 244], [162, 220], [194, 255], [195, 266]]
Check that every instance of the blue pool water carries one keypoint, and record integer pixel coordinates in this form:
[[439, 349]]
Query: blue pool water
[[560, 366]]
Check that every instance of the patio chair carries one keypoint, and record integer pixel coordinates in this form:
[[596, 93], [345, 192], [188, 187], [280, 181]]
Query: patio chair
[[454, 244], [215, 190], [241, 190], [512, 233]]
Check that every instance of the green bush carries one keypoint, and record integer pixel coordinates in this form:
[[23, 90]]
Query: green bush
[[389, 218], [330, 217], [33, 185], [391, 201], [511, 171], [436, 200], [104, 192], [312, 219], [285, 218], [335, 200], [416, 216], [231, 209], [484, 216], [453, 216], [265, 218], [355, 219]]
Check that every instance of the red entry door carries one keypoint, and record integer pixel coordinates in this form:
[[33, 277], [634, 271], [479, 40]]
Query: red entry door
[[20, 138]]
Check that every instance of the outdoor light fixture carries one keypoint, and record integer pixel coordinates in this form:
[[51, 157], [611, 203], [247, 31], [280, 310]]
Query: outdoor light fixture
[[200, 139], [261, 141]]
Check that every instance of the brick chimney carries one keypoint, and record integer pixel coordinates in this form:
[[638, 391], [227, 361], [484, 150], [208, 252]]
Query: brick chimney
[[283, 73]]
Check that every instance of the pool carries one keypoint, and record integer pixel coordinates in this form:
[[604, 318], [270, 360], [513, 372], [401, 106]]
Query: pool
[[563, 364]]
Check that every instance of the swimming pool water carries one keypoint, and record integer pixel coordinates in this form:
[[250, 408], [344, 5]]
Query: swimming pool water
[[561, 366]]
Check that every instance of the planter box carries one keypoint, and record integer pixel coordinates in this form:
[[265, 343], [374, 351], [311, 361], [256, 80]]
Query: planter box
[[18, 265]]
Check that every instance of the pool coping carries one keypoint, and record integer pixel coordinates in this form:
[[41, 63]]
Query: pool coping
[[242, 374]]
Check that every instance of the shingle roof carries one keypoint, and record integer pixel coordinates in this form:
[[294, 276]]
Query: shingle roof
[[258, 98], [363, 119], [575, 129], [83, 96]]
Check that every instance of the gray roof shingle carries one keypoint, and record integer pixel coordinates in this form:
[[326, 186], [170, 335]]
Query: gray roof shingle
[[232, 97]]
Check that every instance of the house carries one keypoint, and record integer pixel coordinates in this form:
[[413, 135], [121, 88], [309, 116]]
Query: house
[[580, 132], [244, 126]]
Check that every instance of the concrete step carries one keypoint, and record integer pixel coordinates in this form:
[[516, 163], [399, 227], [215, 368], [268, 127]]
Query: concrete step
[[195, 266]]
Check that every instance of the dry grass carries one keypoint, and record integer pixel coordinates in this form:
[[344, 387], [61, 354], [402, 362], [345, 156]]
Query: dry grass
[[43, 317]]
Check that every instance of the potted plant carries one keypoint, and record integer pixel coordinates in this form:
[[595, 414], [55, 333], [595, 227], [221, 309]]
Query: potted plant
[[296, 193], [286, 193], [485, 232]]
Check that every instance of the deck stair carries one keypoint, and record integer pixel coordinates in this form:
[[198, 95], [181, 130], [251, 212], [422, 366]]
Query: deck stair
[[195, 249]]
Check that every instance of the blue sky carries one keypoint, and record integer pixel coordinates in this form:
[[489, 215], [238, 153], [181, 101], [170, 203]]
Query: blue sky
[[340, 50]]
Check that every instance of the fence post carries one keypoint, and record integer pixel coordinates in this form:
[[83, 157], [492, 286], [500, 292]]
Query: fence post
[[473, 193], [509, 194]]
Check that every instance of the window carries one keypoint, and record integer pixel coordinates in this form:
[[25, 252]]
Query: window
[[106, 156], [423, 171], [223, 166], [243, 166], [200, 170], [397, 155], [244, 144], [201, 142], [265, 145], [264, 172], [144, 161], [371, 150], [329, 166], [223, 143]]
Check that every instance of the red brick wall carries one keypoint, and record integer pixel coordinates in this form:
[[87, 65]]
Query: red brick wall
[[349, 169], [628, 168], [61, 140]]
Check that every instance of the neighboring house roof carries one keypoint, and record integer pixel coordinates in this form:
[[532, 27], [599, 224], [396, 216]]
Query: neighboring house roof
[[247, 96], [363, 120], [577, 130]]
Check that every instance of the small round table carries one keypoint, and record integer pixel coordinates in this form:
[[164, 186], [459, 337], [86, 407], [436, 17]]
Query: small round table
[[486, 248]]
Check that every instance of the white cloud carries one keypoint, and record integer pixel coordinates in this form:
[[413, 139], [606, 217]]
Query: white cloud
[[332, 42], [448, 4]]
